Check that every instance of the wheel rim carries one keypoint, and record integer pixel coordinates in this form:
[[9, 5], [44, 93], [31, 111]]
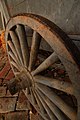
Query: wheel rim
[[41, 90]]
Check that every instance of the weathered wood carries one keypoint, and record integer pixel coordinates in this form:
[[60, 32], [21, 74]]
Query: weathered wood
[[39, 103], [59, 115], [16, 45], [49, 112], [13, 50], [33, 97], [44, 65], [23, 43], [22, 103], [55, 83], [70, 112], [4, 10], [63, 47], [35, 106], [12, 56], [17, 115], [7, 104], [36, 39], [3, 21], [15, 65]]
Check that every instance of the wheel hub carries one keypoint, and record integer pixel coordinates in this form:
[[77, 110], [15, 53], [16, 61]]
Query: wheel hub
[[25, 75]]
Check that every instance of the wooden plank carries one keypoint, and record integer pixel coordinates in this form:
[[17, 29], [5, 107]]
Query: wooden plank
[[5, 70], [18, 115], [7, 104], [22, 103], [2, 91]]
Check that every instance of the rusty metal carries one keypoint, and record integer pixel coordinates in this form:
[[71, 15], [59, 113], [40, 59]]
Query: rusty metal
[[41, 89]]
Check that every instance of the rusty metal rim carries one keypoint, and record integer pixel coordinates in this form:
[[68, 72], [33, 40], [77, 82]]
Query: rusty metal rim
[[56, 42]]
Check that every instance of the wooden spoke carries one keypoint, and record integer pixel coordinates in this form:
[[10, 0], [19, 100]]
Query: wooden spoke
[[43, 115], [12, 56], [33, 97], [55, 83], [34, 49], [44, 65], [16, 44], [49, 112], [39, 103], [17, 73], [23, 43], [70, 112], [15, 65], [40, 117], [59, 115], [13, 49], [26, 91]]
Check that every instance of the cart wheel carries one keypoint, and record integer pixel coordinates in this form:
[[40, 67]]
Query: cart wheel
[[43, 55]]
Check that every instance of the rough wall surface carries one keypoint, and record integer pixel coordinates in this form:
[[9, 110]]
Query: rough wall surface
[[65, 13]]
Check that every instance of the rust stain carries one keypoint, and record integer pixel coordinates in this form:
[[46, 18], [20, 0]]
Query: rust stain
[[2, 40]]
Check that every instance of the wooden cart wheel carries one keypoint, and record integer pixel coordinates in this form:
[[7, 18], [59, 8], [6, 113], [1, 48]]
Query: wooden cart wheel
[[44, 55]]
